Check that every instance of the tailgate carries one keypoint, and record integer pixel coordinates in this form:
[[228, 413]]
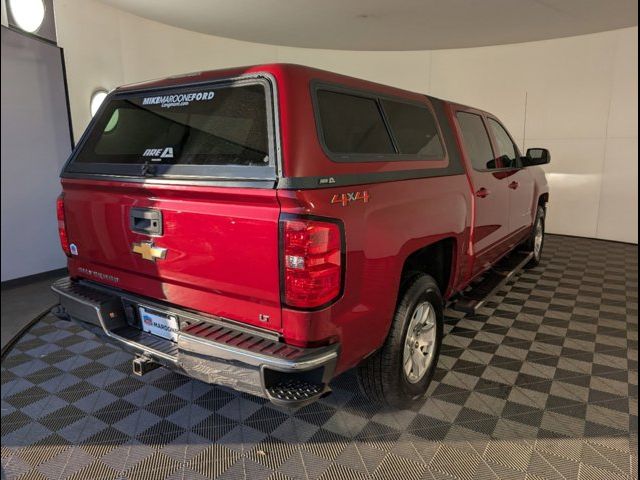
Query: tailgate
[[217, 252], [170, 194]]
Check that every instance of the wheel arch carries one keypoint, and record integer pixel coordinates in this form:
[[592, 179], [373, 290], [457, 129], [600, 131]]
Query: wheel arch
[[543, 199], [436, 259]]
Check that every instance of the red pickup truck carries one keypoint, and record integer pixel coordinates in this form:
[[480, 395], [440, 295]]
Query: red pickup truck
[[269, 227]]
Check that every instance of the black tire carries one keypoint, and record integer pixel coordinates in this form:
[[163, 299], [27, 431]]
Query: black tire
[[530, 244], [382, 376]]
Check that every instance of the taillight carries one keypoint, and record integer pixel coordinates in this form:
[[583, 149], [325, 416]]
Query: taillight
[[312, 262], [62, 225]]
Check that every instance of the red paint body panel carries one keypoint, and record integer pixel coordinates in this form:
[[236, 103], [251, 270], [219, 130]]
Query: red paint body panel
[[400, 218], [223, 242], [220, 245]]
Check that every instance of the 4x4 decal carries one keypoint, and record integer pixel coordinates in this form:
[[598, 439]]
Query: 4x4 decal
[[345, 198]]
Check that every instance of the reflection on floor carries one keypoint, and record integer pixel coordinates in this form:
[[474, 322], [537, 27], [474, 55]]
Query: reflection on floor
[[21, 304], [541, 384]]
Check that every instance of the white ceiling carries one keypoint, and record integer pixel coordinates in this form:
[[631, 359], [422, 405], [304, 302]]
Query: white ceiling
[[388, 24]]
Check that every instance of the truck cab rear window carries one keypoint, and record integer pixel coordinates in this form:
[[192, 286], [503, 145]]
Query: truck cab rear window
[[210, 125]]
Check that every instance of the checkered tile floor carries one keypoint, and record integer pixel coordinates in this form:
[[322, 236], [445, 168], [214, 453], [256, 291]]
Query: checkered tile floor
[[543, 383]]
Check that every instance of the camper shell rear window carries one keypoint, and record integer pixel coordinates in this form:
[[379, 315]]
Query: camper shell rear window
[[221, 130]]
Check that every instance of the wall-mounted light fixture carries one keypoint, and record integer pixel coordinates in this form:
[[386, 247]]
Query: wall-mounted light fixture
[[27, 14], [34, 17], [96, 100]]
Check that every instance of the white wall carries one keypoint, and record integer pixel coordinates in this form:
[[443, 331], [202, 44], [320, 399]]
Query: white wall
[[581, 103], [576, 96]]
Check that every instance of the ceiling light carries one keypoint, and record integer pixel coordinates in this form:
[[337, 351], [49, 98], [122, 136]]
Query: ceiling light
[[28, 14], [96, 100]]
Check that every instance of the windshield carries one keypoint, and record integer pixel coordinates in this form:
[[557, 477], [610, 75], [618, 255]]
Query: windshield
[[198, 126]]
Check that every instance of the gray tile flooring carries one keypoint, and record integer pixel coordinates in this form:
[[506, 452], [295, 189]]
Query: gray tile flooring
[[21, 304], [541, 384]]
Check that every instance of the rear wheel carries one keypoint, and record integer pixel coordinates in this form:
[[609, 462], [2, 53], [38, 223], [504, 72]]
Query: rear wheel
[[535, 242], [400, 372]]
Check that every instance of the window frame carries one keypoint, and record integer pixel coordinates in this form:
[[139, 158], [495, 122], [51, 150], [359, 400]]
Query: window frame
[[489, 137], [494, 143], [317, 86], [383, 117], [191, 173]]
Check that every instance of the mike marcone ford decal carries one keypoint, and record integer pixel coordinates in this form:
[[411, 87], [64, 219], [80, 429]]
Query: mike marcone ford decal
[[179, 100]]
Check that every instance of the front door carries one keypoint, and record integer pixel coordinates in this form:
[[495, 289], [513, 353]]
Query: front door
[[491, 208], [519, 181]]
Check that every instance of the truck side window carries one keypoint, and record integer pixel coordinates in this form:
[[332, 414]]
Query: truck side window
[[414, 129], [352, 124], [507, 152], [476, 141]]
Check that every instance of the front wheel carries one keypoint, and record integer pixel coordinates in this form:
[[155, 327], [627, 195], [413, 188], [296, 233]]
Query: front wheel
[[535, 242], [400, 372]]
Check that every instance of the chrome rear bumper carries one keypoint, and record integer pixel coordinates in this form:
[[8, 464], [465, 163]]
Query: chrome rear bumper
[[209, 349]]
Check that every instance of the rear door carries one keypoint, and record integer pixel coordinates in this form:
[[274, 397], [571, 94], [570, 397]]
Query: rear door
[[491, 208], [519, 180], [171, 195]]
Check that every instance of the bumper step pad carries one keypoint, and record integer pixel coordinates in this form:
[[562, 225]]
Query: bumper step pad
[[295, 390]]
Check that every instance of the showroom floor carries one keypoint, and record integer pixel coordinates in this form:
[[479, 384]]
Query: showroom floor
[[25, 303], [542, 384]]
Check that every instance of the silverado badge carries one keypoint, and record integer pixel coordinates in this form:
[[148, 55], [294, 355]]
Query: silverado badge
[[148, 251]]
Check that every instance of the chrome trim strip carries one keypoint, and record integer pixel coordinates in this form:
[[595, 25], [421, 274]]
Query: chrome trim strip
[[191, 181]]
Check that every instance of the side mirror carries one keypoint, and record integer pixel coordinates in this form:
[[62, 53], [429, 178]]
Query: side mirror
[[536, 156]]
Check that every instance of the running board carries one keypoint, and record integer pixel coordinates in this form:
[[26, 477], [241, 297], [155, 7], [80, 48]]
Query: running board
[[478, 293]]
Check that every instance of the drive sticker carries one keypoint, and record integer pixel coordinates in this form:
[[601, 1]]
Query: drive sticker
[[161, 153], [178, 100]]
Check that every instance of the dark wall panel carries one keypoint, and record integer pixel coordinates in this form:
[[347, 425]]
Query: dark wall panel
[[35, 143]]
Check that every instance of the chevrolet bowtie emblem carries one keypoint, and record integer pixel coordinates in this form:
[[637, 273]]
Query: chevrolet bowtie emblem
[[148, 251]]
